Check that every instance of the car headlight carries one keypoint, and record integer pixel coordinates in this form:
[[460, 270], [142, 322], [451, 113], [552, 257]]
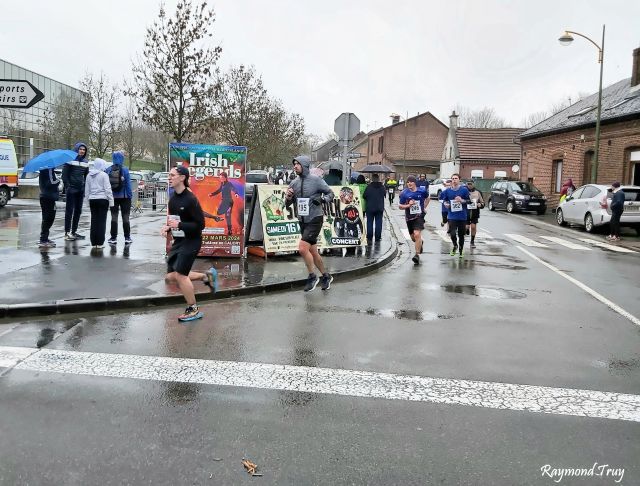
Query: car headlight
[[519, 196]]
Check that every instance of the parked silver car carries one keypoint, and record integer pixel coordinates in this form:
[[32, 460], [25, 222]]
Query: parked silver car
[[254, 177], [589, 206]]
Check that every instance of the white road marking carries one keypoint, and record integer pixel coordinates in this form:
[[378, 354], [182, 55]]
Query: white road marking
[[444, 235], [568, 244], [502, 396], [589, 290], [606, 245], [525, 241], [485, 230], [10, 356], [405, 233]]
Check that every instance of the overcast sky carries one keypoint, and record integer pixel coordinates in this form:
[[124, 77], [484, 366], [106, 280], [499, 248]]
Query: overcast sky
[[368, 57]]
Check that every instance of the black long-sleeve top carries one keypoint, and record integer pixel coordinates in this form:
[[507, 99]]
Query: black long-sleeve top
[[186, 206]]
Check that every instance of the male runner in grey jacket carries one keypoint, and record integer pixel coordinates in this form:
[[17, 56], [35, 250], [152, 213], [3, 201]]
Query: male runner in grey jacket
[[308, 192]]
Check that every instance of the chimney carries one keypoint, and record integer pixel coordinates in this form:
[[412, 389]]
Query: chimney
[[453, 120], [395, 118], [635, 73]]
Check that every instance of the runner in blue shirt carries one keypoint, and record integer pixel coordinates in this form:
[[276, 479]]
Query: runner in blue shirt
[[414, 202], [455, 199]]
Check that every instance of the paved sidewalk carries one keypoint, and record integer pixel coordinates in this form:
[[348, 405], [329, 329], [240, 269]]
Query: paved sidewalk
[[74, 277]]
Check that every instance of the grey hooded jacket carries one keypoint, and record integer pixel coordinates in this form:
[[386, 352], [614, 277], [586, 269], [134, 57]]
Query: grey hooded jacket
[[311, 186]]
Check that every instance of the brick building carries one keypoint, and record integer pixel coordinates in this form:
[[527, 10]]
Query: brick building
[[484, 153], [409, 147], [562, 146]]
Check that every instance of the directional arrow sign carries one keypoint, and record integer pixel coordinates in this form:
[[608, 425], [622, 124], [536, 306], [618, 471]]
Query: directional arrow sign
[[18, 94]]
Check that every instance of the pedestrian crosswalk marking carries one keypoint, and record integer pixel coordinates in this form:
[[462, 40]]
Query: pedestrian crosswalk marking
[[341, 382], [525, 241], [606, 245], [568, 244]]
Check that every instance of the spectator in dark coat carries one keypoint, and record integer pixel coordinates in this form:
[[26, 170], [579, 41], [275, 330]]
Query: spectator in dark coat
[[74, 175], [49, 184], [617, 208], [374, 195]]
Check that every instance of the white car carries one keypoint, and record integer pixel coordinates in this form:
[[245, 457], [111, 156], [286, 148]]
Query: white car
[[588, 206], [437, 186], [253, 178]]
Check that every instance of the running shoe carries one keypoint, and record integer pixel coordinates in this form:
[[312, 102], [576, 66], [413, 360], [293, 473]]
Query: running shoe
[[312, 281], [77, 236], [52, 244], [45, 244], [461, 255], [453, 251], [191, 313], [473, 245], [128, 241], [326, 281], [113, 241], [416, 259], [211, 279], [99, 247], [69, 237]]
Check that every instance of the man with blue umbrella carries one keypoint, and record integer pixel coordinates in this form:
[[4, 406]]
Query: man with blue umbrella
[[45, 163], [74, 175], [48, 196]]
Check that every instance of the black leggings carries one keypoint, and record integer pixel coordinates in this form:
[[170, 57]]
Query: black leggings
[[99, 209], [615, 223], [73, 210], [459, 227], [124, 203], [48, 207]]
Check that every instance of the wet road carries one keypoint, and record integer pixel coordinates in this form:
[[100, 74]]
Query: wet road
[[454, 372]]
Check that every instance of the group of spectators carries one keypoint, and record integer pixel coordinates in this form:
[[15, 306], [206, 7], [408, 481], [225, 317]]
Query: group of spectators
[[102, 188]]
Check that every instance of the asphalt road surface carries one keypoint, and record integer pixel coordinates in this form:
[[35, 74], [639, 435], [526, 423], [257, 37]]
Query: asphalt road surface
[[506, 367]]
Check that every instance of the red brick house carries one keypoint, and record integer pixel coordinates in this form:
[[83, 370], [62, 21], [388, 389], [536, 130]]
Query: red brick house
[[409, 147], [562, 146], [484, 153]]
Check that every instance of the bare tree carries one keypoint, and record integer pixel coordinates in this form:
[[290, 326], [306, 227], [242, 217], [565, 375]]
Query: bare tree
[[103, 117], [173, 81], [131, 136], [244, 114], [534, 118], [483, 118], [240, 101], [156, 143], [70, 120]]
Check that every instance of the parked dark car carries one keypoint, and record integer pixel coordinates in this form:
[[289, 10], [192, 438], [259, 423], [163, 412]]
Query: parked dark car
[[514, 196]]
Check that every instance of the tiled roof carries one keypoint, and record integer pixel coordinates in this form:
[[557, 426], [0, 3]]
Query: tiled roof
[[488, 143], [618, 101]]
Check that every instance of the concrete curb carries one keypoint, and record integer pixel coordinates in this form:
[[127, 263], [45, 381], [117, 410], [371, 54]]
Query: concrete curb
[[149, 301], [562, 231]]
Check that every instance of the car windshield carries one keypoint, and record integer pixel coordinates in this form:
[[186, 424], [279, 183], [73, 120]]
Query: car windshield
[[523, 186], [136, 176], [257, 178], [29, 175]]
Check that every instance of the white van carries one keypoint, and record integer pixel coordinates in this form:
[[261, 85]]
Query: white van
[[8, 171]]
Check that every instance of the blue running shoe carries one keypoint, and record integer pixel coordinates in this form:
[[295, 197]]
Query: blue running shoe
[[212, 279], [191, 313]]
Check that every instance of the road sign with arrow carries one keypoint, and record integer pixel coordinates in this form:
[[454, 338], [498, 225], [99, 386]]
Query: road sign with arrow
[[18, 94]]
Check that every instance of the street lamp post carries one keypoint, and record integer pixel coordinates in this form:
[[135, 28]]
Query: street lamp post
[[565, 40]]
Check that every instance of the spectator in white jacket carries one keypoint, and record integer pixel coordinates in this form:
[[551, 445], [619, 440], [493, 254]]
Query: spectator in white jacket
[[98, 193]]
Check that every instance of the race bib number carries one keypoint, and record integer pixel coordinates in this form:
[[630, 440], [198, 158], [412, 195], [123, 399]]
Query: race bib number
[[472, 205], [303, 206], [390, 190], [456, 206], [415, 208], [177, 233]]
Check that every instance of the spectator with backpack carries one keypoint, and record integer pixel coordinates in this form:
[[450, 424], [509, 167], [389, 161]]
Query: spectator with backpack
[[120, 182]]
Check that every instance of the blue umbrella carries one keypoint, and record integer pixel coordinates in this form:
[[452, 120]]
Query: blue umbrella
[[49, 160]]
